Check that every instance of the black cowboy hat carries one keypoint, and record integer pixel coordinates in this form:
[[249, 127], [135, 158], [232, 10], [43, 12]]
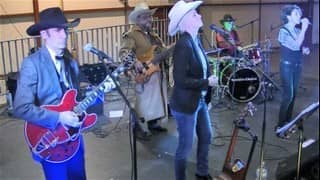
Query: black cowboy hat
[[51, 18], [227, 18]]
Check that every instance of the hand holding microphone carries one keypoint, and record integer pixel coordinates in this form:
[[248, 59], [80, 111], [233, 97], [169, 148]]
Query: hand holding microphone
[[305, 23]]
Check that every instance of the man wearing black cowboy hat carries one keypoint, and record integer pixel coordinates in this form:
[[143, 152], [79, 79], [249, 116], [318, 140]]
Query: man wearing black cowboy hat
[[44, 77], [230, 39]]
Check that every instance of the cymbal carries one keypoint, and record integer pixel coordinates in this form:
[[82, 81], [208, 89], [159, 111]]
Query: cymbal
[[247, 46], [266, 50], [229, 58], [213, 51]]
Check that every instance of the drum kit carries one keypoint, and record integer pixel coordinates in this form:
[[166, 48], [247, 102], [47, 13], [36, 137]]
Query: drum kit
[[240, 77]]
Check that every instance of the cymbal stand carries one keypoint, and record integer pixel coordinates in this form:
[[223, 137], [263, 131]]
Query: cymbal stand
[[220, 89], [267, 82], [234, 68]]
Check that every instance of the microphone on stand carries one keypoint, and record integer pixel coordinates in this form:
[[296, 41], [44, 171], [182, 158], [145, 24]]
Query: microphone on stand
[[120, 69], [89, 48], [218, 30]]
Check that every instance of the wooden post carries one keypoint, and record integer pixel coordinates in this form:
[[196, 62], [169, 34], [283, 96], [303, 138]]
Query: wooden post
[[36, 19], [72, 37]]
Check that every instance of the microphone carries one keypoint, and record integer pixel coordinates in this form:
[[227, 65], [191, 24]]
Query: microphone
[[120, 69], [218, 30], [89, 48]]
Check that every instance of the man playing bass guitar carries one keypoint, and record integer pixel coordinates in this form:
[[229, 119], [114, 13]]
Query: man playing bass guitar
[[141, 43]]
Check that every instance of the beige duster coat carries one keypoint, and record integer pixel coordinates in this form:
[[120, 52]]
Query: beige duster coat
[[151, 96]]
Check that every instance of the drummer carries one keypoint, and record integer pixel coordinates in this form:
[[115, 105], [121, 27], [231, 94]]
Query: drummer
[[230, 39]]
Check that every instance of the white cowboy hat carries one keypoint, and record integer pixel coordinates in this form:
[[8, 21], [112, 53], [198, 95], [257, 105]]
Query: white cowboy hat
[[140, 8], [177, 12]]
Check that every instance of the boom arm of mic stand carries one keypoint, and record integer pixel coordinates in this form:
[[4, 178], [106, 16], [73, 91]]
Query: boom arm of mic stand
[[250, 22]]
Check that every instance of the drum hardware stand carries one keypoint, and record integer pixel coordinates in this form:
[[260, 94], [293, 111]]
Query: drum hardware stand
[[298, 121], [267, 85], [267, 80], [220, 89], [219, 93], [234, 68]]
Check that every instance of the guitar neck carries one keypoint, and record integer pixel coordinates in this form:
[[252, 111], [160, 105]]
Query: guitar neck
[[163, 55], [88, 100]]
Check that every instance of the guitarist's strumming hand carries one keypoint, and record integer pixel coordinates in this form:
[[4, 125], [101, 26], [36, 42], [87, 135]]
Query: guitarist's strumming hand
[[139, 76], [69, 119], [213, 80]]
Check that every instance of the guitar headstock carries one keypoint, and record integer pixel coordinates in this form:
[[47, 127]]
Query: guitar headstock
[[128, 58]]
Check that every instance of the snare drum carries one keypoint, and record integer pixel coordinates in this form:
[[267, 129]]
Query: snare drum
[[253, 54], [243, 84]]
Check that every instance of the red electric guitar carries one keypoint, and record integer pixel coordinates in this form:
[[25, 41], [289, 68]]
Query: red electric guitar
[[62, 143]]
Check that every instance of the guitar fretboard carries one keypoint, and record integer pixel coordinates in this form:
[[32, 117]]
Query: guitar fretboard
[[87, 101]]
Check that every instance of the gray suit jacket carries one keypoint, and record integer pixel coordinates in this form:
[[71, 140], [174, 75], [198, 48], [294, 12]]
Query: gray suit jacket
[[38, 84]]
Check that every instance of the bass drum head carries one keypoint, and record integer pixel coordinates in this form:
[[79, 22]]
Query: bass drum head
[[244, 85]]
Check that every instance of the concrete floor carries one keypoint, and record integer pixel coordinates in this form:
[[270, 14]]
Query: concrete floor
[[108, 153]]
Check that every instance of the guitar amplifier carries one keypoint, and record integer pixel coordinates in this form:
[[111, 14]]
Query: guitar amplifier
[[287, 168], [95, 73], [3, 91], [12, 83]]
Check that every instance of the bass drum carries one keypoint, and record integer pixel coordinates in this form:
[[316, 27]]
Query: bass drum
[[243, 84]]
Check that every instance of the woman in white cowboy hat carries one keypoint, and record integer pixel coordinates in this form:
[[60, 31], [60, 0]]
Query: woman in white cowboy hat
[[192, 79], [151, 91]]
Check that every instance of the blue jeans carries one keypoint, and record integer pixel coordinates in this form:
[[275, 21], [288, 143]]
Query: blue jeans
[[73, 169], [290, 74], [187, 126]]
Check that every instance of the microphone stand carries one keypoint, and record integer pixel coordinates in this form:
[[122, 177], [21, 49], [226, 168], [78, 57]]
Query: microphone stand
[[250, 22], [132, 117], [298, 121], [203, 36], [263, 130]]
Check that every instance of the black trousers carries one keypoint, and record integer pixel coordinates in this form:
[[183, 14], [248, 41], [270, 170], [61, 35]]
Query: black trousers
[[290, 74]]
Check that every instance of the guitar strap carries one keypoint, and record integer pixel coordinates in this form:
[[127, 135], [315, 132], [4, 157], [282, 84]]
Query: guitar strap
[[286, 29], [71, 74]]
